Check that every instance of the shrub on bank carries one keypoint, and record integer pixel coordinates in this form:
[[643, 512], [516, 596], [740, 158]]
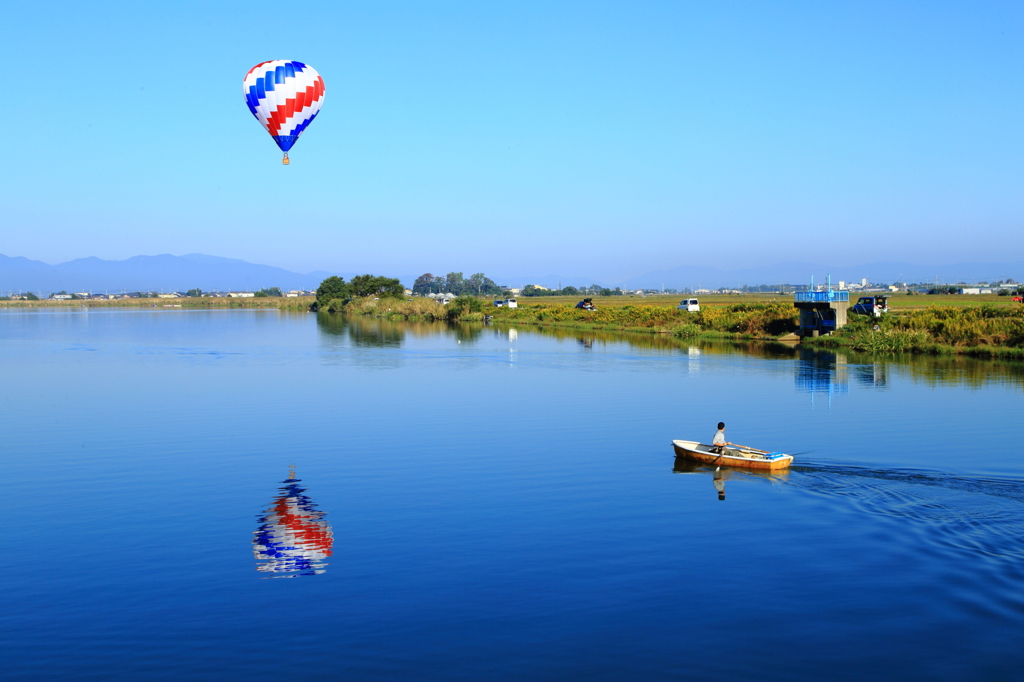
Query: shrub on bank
[[686, 330], [984, 330], [461, 309], [753, 319]]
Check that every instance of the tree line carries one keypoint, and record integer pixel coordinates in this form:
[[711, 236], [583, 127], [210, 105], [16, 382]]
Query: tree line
[[592, 290], [336, 288], [477, 284]]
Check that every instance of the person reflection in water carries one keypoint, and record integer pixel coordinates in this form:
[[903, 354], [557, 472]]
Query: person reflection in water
[[719, 481], [293, 538]]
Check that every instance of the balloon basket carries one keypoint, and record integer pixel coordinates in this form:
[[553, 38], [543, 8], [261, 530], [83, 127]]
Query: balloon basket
[[285, 160]]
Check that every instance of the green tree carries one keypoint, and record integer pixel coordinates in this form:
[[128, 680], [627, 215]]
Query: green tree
[[477, 284], [194, 293], [382, 287], [425, 284], [480, 284], [271, 292], [331, 288], [29, 296], [454, 283], [464, 304]]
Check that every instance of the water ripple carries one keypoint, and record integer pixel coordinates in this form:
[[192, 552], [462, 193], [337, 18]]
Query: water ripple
[[979, 515]]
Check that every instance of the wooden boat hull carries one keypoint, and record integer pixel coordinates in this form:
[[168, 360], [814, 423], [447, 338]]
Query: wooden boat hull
[[746, 458]]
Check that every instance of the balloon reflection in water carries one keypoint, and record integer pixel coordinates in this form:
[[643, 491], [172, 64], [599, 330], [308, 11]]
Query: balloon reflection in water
[[293, 538]]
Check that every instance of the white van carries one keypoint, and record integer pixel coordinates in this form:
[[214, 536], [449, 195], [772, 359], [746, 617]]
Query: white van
[[690, 305], [511, 303]]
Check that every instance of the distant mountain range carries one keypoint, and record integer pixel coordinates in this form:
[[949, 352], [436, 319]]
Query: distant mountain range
[[149, 273], [214, 273]]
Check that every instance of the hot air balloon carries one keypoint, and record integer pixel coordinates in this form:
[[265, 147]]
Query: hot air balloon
[[284, 96], [293, 538]]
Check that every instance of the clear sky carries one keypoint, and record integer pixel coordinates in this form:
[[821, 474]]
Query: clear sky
[[520, 137]]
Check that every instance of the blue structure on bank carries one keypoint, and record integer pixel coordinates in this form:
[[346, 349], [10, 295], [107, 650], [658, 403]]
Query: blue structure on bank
[[821, 312]]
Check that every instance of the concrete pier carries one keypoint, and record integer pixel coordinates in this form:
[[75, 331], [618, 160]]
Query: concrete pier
[[821, 312]]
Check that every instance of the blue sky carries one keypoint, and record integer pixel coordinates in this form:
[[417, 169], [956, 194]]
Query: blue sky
[[599, 138]]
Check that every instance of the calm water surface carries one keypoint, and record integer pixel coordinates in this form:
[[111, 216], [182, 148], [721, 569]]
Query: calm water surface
[[257, 495]]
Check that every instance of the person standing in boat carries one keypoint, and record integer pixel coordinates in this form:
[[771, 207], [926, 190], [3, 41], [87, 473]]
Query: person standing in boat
[[719, 442]]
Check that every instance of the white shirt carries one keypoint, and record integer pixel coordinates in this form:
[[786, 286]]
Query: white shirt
[[719, 438]]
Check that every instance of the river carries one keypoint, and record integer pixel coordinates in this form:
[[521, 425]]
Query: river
[[245, 494]]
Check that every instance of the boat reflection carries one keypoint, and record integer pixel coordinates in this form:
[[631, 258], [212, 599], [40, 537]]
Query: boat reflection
[[293, 538], [719, 476]]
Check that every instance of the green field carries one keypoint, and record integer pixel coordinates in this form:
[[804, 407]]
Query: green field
[[896, 301]]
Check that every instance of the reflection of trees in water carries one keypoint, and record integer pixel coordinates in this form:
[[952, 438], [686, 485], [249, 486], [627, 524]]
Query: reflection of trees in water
[[815, 367], [590, 338], [362, 331], [467, 332], [375, 333], [380, 333], [945, 370], [959, 371], [822, 368]]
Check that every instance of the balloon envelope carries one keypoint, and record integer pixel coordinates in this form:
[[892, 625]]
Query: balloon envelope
[[284, 96]]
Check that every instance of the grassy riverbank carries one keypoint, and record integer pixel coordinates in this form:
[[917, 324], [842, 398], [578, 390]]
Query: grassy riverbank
[[981, 330], [992, 329], [745, 320]]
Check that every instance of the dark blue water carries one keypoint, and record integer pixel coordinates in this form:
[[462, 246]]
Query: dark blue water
[[473, 504]]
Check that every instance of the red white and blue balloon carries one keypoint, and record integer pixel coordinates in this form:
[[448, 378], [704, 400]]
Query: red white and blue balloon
[[284, 96], [293, 537]]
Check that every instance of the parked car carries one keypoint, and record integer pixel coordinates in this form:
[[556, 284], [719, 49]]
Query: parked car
[[1018, 299], [690, 305], [871, 305], [498, 302]]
